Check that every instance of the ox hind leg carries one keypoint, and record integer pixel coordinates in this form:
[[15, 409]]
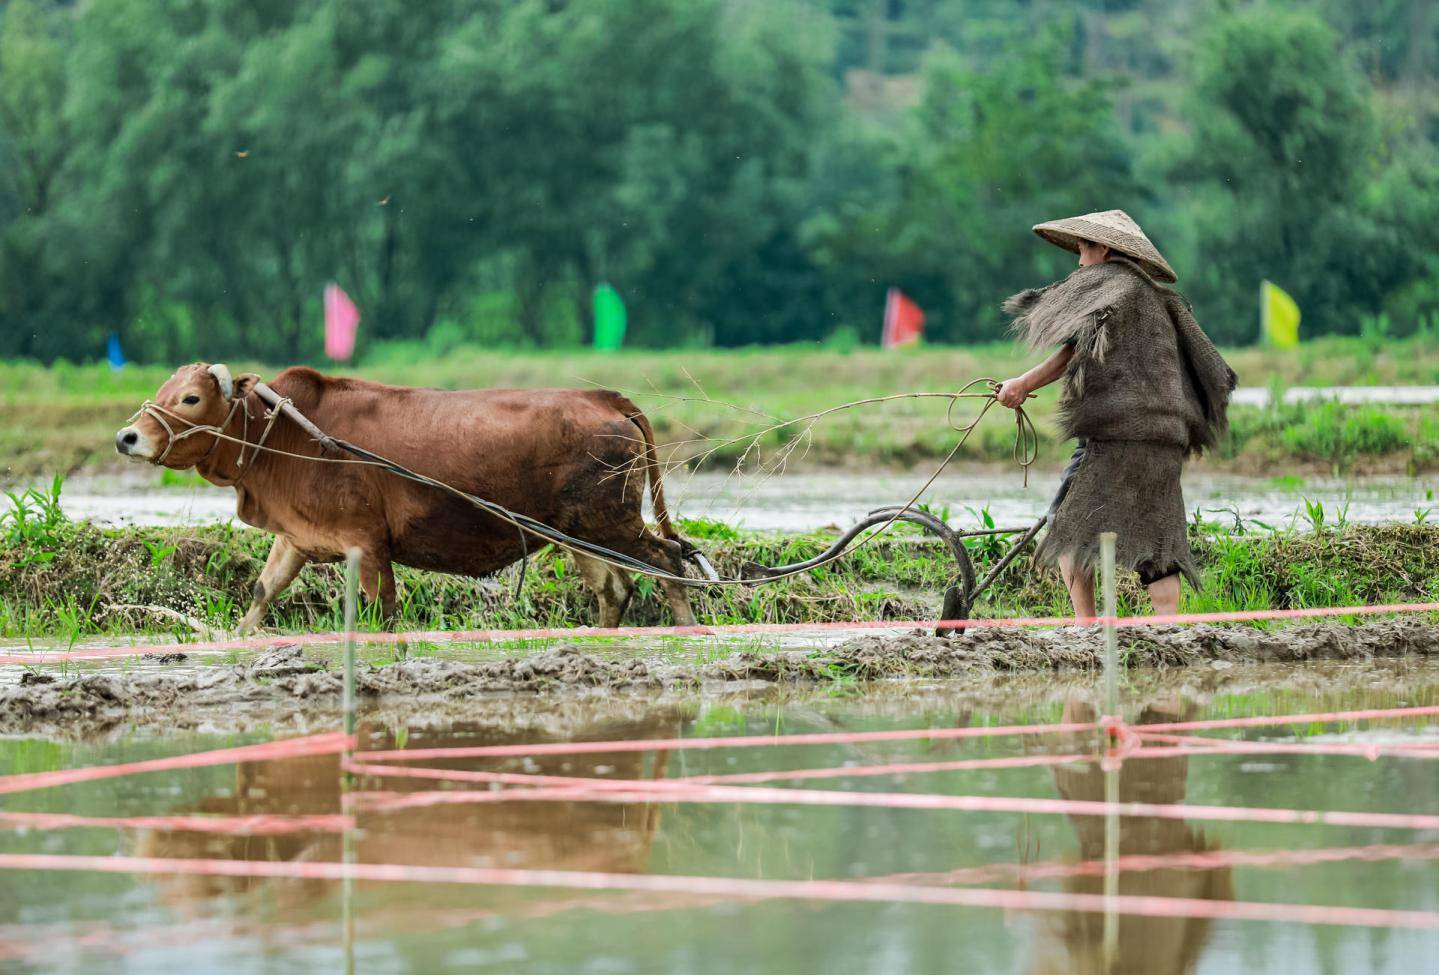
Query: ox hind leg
[[612, 588], [377, 582], [284, 563], [663, 553]]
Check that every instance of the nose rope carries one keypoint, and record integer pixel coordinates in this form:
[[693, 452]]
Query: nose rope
[[159, 414]]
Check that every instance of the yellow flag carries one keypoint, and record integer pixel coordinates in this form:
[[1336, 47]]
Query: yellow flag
[[1278, 316]]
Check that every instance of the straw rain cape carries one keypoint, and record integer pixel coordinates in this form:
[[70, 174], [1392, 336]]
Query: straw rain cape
[[1142, 367], [1145, 388]]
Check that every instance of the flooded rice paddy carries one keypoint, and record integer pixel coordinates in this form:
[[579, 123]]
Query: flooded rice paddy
[[121, 922], [295, 815], [803, 501]]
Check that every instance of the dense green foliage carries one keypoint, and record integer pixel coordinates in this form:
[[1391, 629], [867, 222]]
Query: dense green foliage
[[189, 173]]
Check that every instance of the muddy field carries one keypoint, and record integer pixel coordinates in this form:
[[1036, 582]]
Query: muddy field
[[288, 687]]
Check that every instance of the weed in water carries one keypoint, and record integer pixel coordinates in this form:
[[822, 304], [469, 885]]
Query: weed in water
[[720, 720]]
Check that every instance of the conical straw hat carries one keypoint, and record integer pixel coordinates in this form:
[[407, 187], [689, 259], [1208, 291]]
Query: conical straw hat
[[1115, 228]]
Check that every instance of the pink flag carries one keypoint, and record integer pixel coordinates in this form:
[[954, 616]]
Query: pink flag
[[903, 320], [341, 320]]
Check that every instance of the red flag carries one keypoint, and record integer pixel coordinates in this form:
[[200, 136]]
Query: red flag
[[903, 320], [342, 318]]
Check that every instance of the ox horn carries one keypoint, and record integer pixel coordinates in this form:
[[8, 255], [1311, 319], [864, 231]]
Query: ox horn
[[221, 372]]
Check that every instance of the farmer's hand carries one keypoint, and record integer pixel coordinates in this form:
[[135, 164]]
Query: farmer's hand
[[1012, 393]]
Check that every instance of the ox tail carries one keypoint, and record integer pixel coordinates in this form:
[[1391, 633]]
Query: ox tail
[[652, 471]]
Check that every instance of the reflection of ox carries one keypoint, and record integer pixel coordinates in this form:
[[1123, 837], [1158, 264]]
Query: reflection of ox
[[598, 836], [551, 454]]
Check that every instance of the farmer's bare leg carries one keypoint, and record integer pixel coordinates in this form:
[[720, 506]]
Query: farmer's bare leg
[[284, 563], [1164, 595], [1080, 583]]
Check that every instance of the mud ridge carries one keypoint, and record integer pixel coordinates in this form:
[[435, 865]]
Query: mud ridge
[[283, 681], [1073, 648]]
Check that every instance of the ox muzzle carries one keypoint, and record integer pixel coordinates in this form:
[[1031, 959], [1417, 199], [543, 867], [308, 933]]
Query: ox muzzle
[[131, 443]]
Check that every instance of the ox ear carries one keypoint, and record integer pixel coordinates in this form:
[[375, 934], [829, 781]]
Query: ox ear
[[244, 384], [221, 372]]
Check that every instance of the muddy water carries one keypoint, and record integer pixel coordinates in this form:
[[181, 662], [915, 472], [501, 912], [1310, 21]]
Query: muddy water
[[797, 502], [79, 922]]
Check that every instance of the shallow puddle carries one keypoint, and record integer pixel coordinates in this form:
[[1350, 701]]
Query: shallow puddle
[[85, 921]]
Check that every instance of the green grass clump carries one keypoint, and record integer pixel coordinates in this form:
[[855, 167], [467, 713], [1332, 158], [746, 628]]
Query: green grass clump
[[1334, 435], [68, 580]]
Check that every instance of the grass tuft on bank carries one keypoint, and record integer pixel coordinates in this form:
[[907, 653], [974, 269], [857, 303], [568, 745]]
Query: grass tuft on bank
[[64, 580]]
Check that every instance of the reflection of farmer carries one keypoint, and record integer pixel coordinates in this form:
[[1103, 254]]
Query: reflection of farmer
[[1150, 945], [1143, 388]]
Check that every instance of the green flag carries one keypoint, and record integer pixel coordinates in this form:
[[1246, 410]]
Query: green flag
[[609, 318]]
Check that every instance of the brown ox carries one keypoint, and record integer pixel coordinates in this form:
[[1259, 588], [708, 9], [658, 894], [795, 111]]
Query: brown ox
[[551, 454]]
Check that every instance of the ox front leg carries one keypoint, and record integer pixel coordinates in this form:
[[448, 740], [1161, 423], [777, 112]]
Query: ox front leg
[[284, 563]]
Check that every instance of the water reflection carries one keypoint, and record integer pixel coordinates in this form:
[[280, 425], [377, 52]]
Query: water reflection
[[618, 837], [79, 922], [609, 837], [1073, 942]]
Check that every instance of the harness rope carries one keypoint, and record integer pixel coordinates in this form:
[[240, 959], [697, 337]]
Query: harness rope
[[158, 413], [1026, 450]]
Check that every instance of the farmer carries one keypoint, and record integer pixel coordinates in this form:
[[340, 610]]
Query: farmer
[[1143, 389]]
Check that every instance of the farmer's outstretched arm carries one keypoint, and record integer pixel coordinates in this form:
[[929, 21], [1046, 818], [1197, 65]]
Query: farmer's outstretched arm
[[1013, 392]]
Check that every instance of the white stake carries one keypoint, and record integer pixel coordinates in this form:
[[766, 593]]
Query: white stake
[[347, 850], [1111, 869], [352, 596], [1111, 632], [1111, 774]]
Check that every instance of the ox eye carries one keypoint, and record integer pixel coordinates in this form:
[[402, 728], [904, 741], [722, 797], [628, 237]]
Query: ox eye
[[190, 400]]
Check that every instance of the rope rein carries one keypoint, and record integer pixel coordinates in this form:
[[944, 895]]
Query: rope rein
[[1026, 450], [239, 404]]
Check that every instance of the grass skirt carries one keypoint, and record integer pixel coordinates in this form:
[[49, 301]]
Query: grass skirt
[[1131, 489]]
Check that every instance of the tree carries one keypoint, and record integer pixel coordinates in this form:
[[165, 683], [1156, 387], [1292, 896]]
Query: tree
[[987, 154], [656, 144], [1285, 139], [34, 147]]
